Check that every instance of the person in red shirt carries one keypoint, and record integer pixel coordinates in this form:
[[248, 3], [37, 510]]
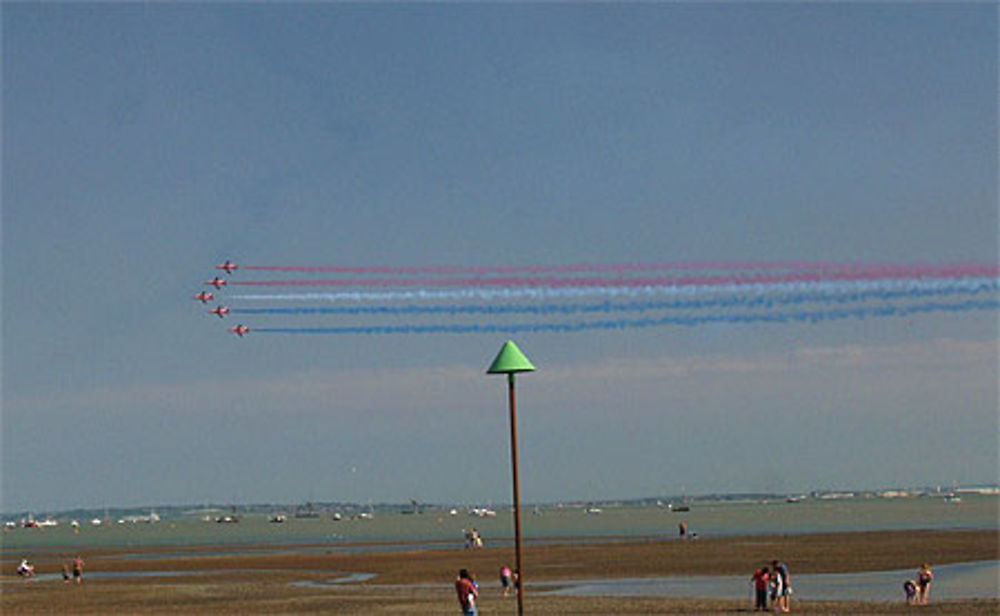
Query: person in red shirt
[[761, 577], [467, 591]]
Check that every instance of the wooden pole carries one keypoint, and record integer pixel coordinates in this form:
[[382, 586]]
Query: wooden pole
[[519, 584]]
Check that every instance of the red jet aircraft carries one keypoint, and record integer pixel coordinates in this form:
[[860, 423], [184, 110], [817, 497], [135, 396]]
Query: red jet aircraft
[[239, 330], [227, 267], [204, 296], [221, 311], [217, 282]]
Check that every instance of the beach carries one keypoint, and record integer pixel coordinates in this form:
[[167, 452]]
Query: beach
[[417, 579]]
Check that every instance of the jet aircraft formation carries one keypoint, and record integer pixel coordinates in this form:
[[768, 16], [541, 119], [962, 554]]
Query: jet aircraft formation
[[221, 311], [453, 299]]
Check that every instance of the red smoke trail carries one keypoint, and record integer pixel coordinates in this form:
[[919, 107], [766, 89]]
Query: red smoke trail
[[458, 270], [876, 272]]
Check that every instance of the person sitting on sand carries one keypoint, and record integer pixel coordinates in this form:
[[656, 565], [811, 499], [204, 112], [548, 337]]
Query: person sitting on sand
[[468, 593], [924, 578], [25, 569]]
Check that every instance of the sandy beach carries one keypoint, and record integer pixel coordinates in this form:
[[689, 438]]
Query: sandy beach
[[299, 579]]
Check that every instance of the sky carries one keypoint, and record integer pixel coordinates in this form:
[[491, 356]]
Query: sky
[[144, 143]]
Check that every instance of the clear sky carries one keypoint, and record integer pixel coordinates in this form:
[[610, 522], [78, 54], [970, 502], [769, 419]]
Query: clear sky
[[143, 143]]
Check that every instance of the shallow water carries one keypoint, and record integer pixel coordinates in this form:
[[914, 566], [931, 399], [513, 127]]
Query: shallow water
[[975, 580], [344, 578], [704, 518], [978, 580]]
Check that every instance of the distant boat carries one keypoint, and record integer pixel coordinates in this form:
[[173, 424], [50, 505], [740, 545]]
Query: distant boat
[[152, 518], [795, 499], [279, 518], [336, 517], [227, 519], [952, 498], [309, 512], [593, 511]]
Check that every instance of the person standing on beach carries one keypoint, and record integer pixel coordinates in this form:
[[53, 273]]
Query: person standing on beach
[[468, 594], [78, 569], [784, 587], [924, 578], [760, 582], [682, 529]]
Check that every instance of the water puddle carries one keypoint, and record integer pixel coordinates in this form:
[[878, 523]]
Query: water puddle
[[977, 580], [346, 578]]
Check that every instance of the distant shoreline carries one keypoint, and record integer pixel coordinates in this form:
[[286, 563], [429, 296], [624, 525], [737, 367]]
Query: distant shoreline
[[325, 507]]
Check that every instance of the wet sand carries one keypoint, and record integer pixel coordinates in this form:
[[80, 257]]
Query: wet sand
[[221, 580]]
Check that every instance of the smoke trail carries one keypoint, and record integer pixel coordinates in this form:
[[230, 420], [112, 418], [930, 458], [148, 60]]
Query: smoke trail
[[800, 316], [838, 287], [457, 270], [887, 272], [759, 301]]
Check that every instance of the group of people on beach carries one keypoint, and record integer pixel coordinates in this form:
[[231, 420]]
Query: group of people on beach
[[467, 588], [772, 583], [918, 591], [27, 570], [473, 539]]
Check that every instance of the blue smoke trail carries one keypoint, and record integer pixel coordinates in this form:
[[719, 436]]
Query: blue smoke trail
[[802, 316], [644, 306]]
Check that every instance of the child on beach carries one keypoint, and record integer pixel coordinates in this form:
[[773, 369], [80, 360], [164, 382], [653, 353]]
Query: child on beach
[[910, 588], [506, 580], [25, 569]]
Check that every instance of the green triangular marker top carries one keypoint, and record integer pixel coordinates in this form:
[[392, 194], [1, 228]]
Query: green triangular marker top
[[510, 359]]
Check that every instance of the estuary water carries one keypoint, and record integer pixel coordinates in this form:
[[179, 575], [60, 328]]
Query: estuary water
[[439, 528]]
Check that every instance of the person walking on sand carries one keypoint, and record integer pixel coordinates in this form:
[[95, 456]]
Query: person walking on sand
[[782, 601], [468, 593], [924, 578], [78, 569], [506, 580]]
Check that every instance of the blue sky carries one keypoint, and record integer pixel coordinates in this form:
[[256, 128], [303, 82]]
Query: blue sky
[[142, 143]]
